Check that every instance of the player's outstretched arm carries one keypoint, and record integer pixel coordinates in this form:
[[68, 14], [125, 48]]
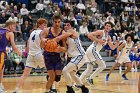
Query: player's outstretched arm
[[11, 39], [64, 35], [139, 85], [110, 43]]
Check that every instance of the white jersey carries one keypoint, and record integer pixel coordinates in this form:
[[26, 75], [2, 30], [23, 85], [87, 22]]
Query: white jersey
[[126, 50], [99, 46], [74, 47], [34, 43]]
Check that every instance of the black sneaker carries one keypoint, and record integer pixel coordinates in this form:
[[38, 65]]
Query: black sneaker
[[90, 81], [84, 89], [70, 90], [53, 91]]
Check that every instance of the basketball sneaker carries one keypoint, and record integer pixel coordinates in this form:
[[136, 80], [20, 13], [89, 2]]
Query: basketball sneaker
[[70, 90], [53, 91], [84, 89], [107, 77], [124, 77], [90, 81]]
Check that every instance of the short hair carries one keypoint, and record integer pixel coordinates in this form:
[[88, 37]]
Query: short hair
[[129, 35], [41, 21], [72, 23], [112, 25], [56, 16], [10, 22]]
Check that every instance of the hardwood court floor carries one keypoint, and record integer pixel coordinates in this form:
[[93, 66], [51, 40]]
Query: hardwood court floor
[[36, 84]]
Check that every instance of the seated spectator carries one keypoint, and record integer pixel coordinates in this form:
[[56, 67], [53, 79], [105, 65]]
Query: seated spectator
[[80, 5], [15, 11], [25, 29], [16, 60], [13, 17], [83, 31], [3, 18], [18, 33], [39, 8], [24, 11], [49, 11]]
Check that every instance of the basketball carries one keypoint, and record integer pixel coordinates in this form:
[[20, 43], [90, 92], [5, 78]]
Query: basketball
[[51, 45]]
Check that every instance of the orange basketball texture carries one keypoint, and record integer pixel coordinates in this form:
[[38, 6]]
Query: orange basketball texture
[[51, 45]]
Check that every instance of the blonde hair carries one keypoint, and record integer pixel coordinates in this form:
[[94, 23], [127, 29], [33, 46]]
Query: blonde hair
[[41, 21], [10, 22]]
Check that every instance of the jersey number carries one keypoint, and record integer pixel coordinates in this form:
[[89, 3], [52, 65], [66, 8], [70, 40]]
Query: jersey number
[[33, 38]]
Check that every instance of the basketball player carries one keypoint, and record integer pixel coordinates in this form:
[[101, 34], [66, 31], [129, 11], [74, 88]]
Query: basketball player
[[78, 58], [35, 57], [6, 35], [99, 38], [53, 59], [123, 56]]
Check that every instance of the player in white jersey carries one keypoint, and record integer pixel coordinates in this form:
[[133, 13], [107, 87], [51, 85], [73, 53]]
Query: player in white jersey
[[99, 38], [78, 58], [123, 56], [35, 57]]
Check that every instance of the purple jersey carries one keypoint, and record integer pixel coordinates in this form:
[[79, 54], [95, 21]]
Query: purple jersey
[[3, 40], [51, 36]]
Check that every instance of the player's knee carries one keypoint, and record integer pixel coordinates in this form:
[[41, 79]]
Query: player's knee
[[57, 78]]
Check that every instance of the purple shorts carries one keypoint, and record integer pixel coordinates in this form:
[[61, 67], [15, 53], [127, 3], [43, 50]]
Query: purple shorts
[[53, 62]]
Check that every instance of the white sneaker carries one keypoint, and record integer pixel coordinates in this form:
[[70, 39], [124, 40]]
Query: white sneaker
[[136, 70], [132, 69], [120, 69], [2, 90]]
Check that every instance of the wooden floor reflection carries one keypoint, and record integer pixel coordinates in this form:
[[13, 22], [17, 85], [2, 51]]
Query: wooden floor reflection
[[36, 84]]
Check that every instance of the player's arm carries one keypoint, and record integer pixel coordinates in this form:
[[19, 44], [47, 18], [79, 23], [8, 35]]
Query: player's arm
[[139, 85], [62, 48], [43, 38], [119, 49], [11, 39], [93, 36], [110, 43], [64, 35]]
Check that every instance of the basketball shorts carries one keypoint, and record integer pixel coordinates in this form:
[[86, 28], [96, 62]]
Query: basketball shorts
[[123, 60], [35, 61], [53, 62], [79, 60], [92, 54], [2, 57]]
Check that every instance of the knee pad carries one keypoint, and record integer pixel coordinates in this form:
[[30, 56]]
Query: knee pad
[[57, 78]]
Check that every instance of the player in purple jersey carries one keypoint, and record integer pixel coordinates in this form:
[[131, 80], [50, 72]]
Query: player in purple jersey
[[6, 35], [53, 59]]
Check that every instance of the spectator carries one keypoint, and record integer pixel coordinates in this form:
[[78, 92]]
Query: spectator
[[80, 5], [3, 18], [3, 6], [127, 8], [25, 29], [13, 17], [39, 8], [83, 31], [15, 11], [18, 33], [24, 11]]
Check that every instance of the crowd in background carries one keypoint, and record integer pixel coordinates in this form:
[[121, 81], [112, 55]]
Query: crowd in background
[[87, 17]]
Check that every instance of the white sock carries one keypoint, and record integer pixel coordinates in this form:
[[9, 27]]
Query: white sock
[[53, 85], [17, 89]]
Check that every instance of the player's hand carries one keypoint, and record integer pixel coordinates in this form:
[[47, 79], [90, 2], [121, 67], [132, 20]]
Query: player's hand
[[58, 49], [71, 31], [101, 41], [117, 42], [43, 42]]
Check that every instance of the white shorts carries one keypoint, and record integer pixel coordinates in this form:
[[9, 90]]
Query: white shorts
[[123, 60], [35, 61], [79, 61], [92, 54]]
